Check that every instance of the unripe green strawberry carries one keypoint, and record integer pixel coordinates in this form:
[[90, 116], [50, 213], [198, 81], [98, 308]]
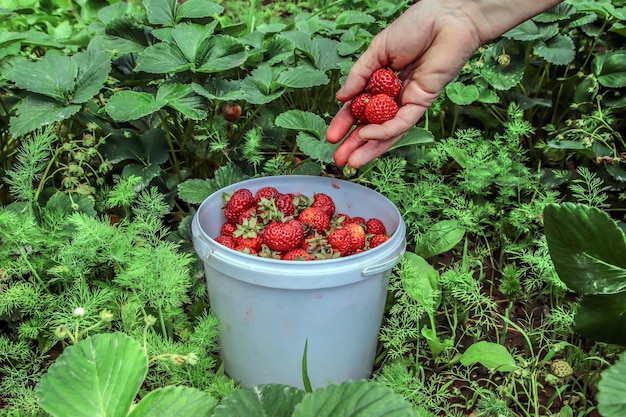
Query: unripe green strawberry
[[380, 108], [357, 106], [384, 81]]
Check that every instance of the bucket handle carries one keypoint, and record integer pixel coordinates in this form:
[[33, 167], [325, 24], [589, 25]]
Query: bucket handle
[[200, 243], [377, 269]]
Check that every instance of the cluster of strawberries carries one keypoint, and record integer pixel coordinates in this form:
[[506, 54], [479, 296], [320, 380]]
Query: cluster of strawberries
[[377, 103], [290, 226]]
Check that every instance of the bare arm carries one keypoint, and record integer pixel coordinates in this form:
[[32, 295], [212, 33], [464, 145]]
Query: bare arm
[[428, 45]]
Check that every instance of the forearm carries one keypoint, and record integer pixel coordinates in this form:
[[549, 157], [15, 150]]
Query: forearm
[[494, 17]]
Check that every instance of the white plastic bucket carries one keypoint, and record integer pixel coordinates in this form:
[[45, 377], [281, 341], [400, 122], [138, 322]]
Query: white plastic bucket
[[270, 308]]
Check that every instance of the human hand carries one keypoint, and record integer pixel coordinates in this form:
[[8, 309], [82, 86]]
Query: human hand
[[427, 46]]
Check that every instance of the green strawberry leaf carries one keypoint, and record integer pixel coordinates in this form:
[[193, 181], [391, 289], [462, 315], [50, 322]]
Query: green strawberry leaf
[[221, 53], [420, 281], [525, 31], [189, 38], [197, 9], [491, 355], [264, 400], [558, 50], [302, 77], [161, 12], [53, 76], [36, 111], [174, 401], [182, 98], [461, 94], [132, 105], [100, 375], [587, 248], [415, 136], [320, 150], [93, 70], [277, 50], [611, 388], [601, 318], [304, 121], [195, 191], [162, 58], [351, 18], [610, 69], [353, 399]]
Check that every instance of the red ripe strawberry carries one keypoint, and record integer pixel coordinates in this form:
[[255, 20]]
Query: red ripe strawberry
[[357, 236], [227, 241], [283, 237], [378, 240], [285, 204], [245, 249], [252, 243], [265, 192], [380, 108], [339, 240], [315, 218], [375, 226], [357, 220], [231, 112], [384, 81], [324, 202], [241, 200], [228, 229], [297, 254], [247, 214], [357, 106]]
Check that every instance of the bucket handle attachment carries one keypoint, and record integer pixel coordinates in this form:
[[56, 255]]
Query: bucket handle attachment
[[200, 243], [377, 269]]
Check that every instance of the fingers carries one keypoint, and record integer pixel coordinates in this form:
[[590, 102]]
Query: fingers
[[340, 125], [356, 152]]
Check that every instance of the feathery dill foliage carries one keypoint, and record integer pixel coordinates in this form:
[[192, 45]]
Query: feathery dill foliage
[[33, 156], [56, 257], [252, 147]]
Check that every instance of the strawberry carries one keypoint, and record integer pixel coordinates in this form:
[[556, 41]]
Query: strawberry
[[228, 229], [357, 106], [378, 240], [245, 249], [357, 236], [384, 81], [247, 214], [356, 219], [237, 203], [297, 254], [265, 192], [283, 237], [315, 218], [339, 240], [324, 202], [252, 243], [227, 241], [285, 204], [231, 112], [380, 108], [375, 226]]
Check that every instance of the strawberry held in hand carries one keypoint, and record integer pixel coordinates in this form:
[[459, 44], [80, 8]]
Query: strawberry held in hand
[[377, 103], [380, 108], [384, 81]]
